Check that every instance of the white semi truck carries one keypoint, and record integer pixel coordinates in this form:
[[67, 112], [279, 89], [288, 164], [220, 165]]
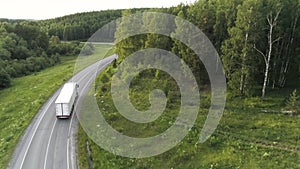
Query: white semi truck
[[66, 99]]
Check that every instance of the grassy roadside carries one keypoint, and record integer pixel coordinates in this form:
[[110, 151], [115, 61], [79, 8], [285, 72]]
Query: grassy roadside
[[19, 103], [252, 134]]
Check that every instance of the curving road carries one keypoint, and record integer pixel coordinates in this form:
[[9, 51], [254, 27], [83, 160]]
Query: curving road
[[50, 143]]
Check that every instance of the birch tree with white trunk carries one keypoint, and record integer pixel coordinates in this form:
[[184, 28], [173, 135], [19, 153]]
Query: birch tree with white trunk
[[272, 23]]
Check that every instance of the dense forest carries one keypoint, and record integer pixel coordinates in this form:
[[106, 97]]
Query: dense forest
[[26, 48], [257, 41], [81, 26], [30, 46]]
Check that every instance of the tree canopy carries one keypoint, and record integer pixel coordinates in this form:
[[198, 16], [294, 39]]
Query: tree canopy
[[256, 39], [26, 48]]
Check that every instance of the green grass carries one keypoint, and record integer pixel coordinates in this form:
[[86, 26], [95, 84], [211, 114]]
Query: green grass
[[101, 50], [251, 134], [20, 103]]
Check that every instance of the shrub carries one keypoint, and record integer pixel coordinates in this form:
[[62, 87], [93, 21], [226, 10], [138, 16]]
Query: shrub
[[5, 80], [292, 103]]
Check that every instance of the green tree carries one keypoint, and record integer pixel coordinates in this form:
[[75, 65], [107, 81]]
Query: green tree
[[68, 34], [4, 54], [165, 25], [203, 15], [240, 60], [88, 49], [184, 52], [128, 26], [23, 46], [80, 26], [226, 11], [284, 51], [32, 34], [272, 22], [54, 40], [292, 103], [5, 80]]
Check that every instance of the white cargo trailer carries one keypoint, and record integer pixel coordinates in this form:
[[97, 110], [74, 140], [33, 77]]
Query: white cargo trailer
[[66, 99]]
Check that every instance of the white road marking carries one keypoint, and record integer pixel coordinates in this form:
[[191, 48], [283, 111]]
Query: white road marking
[[70, 126], [37, 126], [49, 141], [43, 114], [48, 145]]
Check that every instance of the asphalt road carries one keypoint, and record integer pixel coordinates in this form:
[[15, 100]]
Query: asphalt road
[[50, 143]]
